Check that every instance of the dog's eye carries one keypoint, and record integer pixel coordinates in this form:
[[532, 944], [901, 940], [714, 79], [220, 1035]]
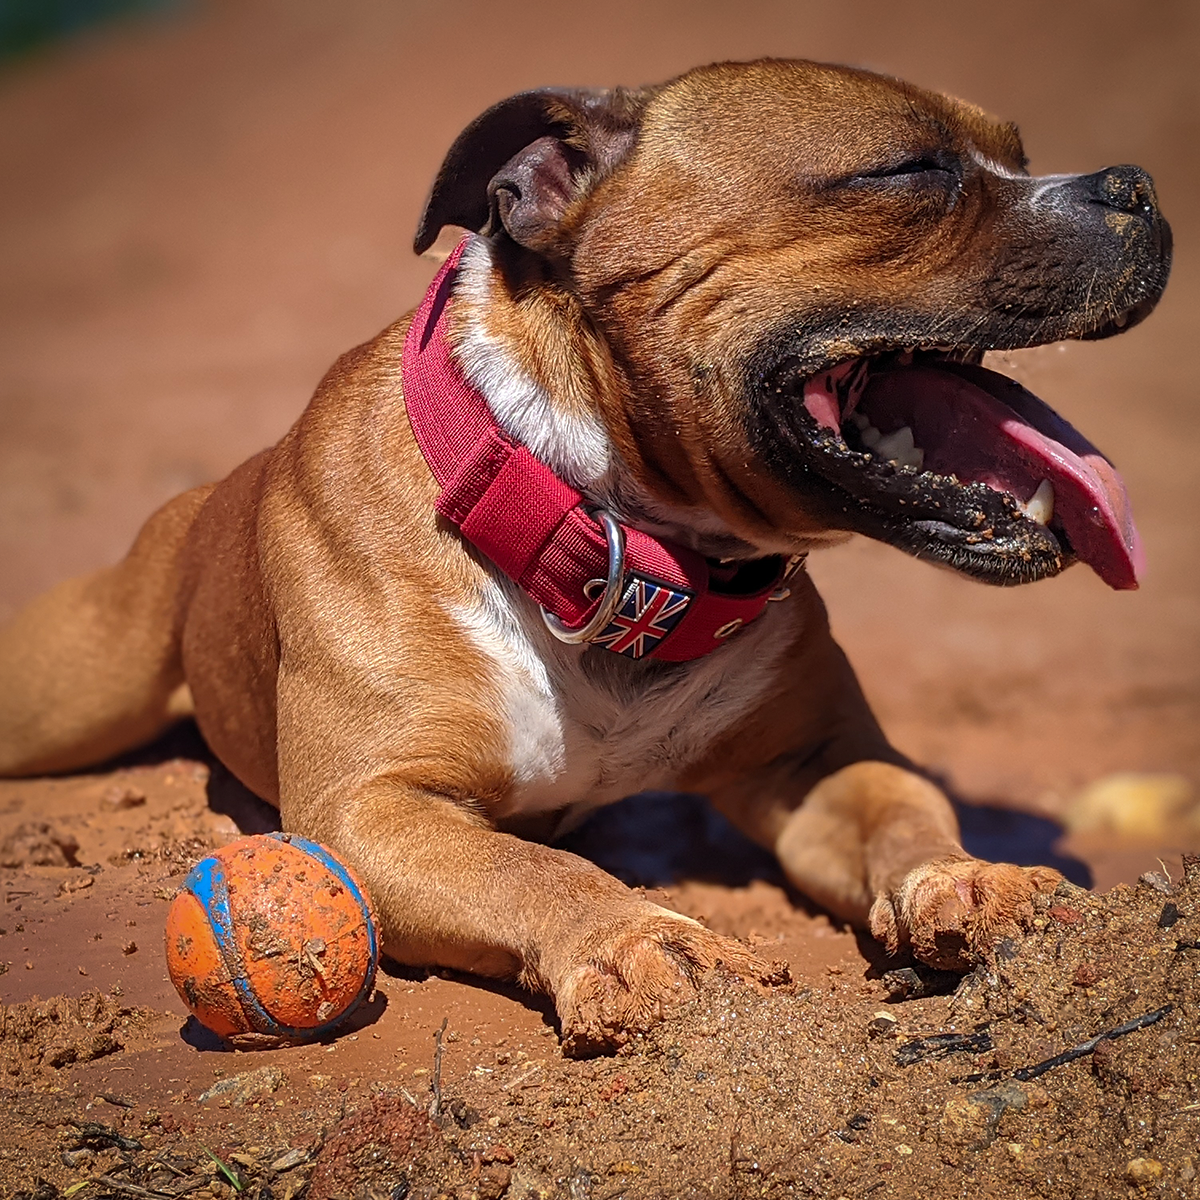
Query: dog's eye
[[924, 165]]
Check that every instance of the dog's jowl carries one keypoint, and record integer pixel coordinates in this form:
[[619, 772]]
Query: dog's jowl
[[541, 544]]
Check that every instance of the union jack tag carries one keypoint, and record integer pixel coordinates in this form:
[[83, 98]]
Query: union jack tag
[[648, 612]]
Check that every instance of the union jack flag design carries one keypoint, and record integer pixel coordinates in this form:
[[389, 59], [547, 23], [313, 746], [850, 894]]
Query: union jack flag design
[[648, 612]]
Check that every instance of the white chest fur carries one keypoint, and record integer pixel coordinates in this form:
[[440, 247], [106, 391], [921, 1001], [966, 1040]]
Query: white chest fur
[[586, 731]]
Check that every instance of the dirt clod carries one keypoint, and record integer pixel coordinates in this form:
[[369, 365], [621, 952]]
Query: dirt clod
[[51, 1033], [387, 1147], [39, 844]]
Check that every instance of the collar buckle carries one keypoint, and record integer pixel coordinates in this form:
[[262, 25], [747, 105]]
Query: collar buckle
[[610, 598]]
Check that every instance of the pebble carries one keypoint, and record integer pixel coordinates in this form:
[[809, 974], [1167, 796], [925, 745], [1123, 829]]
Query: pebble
[[293, 1158], [882, 1024], [1143, 1170], [238, 1090]]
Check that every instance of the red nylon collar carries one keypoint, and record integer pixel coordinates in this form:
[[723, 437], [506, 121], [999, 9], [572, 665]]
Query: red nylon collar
[[535, 528]]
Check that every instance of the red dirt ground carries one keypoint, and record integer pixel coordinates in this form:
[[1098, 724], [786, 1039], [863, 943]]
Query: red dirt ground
[[198, 212]]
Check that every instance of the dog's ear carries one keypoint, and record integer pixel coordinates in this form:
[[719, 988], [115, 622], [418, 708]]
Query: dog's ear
[[518, 167]]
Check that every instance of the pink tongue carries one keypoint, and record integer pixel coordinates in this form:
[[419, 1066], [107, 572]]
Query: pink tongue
[[986, 428]]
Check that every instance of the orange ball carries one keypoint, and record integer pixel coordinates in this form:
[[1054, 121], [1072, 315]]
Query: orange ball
[[272, 936]]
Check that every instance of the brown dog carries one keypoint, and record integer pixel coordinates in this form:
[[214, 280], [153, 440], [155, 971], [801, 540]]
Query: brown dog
[[741, 314]]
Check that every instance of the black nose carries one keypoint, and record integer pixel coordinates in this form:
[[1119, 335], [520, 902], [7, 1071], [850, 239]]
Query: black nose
[[1126, 189]]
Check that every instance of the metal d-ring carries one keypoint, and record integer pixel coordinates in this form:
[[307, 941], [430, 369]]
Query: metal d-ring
[[610, 600]]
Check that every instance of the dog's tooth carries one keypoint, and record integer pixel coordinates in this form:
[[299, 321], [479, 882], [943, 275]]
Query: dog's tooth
[[895, 444], [860, 420], [1040, 506], [871, 437], [914, 458], [1121, 321]]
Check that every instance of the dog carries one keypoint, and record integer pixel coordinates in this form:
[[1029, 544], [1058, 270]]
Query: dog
[[541, 545]]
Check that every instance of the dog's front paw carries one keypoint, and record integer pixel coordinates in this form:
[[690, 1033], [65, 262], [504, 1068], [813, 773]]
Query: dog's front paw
[[625, 976], [952, 912]]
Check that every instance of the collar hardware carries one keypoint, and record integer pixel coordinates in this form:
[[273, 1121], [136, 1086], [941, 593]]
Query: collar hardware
[[609, 600]]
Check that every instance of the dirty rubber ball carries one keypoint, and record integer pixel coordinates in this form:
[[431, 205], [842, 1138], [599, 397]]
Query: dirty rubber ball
[[272, 938]]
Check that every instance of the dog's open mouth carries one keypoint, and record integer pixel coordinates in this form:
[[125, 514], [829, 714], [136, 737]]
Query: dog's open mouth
[[965, 466]]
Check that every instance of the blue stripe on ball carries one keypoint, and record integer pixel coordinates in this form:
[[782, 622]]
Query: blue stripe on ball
[[206, 881]]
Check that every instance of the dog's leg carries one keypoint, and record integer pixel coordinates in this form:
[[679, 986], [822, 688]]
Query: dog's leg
[[915, 886], [878, 845], [452, 892], [92, 668], [860, 832]]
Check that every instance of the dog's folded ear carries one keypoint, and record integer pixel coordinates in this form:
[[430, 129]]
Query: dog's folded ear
[[517, 168]]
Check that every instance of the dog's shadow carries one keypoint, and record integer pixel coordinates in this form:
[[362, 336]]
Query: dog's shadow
[[662, 838]]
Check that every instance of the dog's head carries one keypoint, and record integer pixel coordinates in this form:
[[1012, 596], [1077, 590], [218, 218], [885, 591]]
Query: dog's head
[[795, 271]]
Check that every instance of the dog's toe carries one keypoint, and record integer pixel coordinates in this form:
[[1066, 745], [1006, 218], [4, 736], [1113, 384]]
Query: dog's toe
[[951, 913], [626, 979]]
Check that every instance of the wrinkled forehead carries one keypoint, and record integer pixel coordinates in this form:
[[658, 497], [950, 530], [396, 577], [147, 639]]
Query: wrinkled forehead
[[811, 115]]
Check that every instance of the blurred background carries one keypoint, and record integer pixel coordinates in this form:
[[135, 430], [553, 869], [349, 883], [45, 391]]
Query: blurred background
[[203, 203]]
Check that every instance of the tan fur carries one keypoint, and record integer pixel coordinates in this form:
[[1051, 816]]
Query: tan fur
[[309, 600]]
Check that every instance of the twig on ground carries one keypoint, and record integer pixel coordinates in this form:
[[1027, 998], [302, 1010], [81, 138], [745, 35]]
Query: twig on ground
[[435, 1084], [1024, 1074], [94, 1131], [942, 1044]]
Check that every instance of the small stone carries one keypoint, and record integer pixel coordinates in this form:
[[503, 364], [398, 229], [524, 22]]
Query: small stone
[[1157, 881], [903, 1150], [624, 1167], [882, 1024], [1187, 1170], [1065, 915], [493, 1182], [238, 1090], [1143, 1170], [292, 1158]]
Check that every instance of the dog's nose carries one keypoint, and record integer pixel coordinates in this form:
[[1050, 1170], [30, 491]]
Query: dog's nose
[[1125, 188]]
